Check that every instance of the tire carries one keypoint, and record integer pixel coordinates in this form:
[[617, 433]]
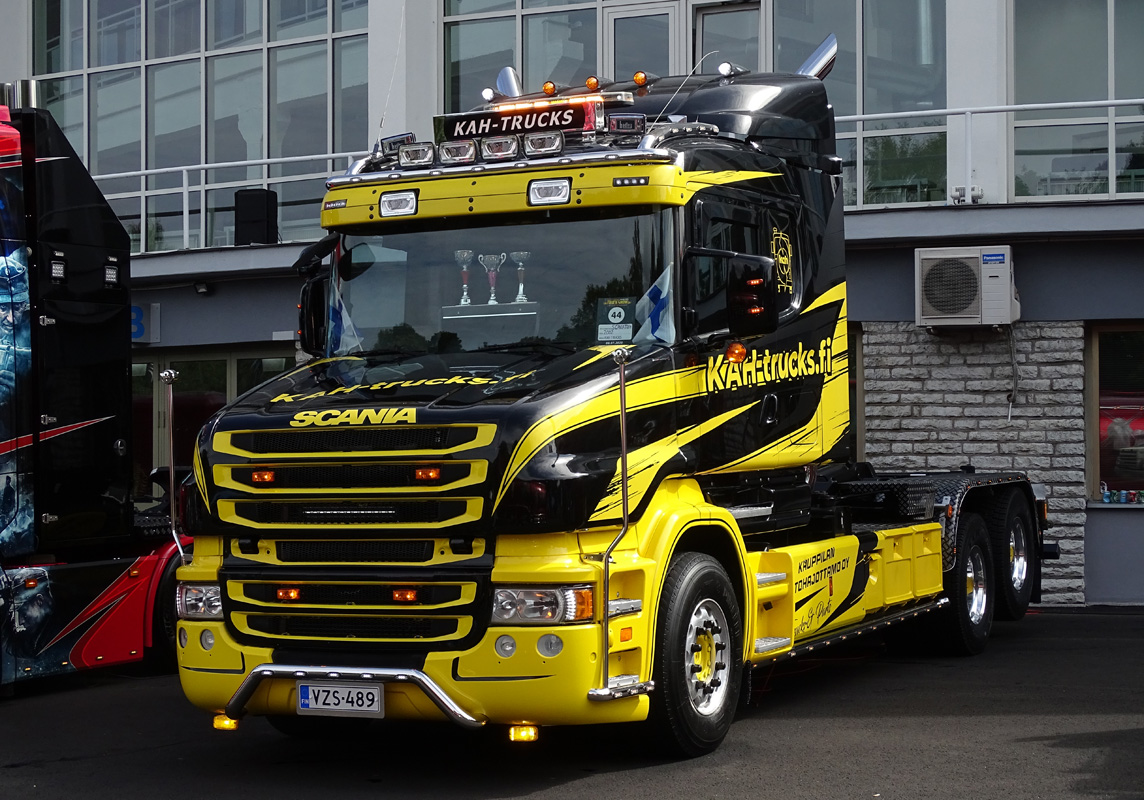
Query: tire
[[698, 654], [969, 587], [317, 727], [163, 654], [1014, 554]]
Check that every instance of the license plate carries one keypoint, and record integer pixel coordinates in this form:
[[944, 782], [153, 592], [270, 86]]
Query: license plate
[[340, 700]]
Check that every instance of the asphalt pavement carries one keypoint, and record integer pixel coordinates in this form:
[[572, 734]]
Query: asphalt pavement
[[1053, 709]]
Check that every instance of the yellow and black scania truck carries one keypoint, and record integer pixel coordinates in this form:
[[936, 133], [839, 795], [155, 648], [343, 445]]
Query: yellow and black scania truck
[[573, 444]]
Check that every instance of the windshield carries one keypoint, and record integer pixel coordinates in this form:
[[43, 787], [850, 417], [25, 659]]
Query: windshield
[[590, 277]]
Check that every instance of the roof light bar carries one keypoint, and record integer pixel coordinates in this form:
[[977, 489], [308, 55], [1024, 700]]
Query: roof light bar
[[496, 148], [616, 98], [462, 151], [546, 143], [415, 155]]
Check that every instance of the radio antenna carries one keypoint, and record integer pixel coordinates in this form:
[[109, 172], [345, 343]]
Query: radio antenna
[[393, 73], [697, 63]]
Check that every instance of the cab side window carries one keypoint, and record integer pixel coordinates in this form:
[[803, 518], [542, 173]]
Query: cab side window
[[718, 224]]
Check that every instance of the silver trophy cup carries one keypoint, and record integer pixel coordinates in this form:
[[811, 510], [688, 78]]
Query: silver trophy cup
[[519, 258], [464, 258], [492, 264]]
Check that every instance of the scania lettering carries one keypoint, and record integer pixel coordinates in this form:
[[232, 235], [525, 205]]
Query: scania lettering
[[573, 446]]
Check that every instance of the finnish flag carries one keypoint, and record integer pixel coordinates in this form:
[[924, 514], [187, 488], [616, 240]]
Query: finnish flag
[[653, 312], [343, 333]]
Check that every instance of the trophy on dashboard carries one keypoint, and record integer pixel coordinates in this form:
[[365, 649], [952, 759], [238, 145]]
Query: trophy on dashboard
[[492, 264], [519, 257], [464, 258]]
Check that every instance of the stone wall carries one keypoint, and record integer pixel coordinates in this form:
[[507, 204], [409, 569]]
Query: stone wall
[[936, 402]]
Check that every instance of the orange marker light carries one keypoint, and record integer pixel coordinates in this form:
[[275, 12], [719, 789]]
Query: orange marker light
[[262, 476], [625, 634], [427, 473], [405, 595], [593, 83], [549, 88], [640, 78], [736, 353], [31, 583], [289, 593]]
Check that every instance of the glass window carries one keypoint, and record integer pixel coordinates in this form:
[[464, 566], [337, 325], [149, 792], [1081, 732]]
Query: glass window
[[172, 27], [290, 19], [801, 26], [114, 31], [1120, 378], [642, 42], [199, 392], [1057, 160], [234, 113], [454, 7], [165, 220], [300, 203], [350, 15], [1129, 66], [1130, 158], [142, 428], [233, 22], [729, 36], [474, 53], [63, 97], [351, 101], [298, 114], [57, 35], [127, 209], [115, 128], [1060, 53], [905, 169], [251, 372], [559, 47], [220, 216], [173, 120], [903, 43]]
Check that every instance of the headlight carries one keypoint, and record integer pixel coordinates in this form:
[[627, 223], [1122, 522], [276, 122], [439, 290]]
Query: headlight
[[542, 605], [199, 601]]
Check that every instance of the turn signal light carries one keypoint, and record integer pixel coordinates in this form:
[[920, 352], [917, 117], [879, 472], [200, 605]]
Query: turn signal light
[[224, 723], [262, 476], [523, 733], [736, 352]]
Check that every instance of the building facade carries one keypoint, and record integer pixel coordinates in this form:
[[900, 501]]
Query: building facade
[[989, 124]]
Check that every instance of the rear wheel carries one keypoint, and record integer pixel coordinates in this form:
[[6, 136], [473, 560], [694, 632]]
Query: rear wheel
[[699, 644], [1011, 531], [969, 586]]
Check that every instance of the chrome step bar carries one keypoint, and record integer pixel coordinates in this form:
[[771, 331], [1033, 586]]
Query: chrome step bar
[[236, 708]]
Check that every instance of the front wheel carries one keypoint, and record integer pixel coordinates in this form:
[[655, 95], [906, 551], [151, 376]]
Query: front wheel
[[699, 644]]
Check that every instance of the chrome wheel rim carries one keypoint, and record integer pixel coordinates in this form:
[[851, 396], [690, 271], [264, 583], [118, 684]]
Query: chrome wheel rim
[[975, 591], [1018, 555], [705, 657]]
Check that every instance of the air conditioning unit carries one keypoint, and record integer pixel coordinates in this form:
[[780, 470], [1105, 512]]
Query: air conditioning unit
[[964, 286]]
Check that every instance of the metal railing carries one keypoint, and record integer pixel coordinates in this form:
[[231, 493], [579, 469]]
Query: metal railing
[[204, 186], [968, 114]]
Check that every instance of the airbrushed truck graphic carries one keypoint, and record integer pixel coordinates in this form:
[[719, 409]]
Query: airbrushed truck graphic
[[573, 444], [82, 584]]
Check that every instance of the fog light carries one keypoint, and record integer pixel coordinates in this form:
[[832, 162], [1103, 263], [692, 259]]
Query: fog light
[[505, 646], [523, 733], [206, 639], [549, 645], [183, 639], [224, 723]]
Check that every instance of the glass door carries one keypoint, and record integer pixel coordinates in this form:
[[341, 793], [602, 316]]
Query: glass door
[[645, 37], [727, 33]]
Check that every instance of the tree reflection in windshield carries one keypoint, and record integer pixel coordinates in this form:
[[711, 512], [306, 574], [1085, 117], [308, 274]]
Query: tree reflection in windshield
[[520, 280]]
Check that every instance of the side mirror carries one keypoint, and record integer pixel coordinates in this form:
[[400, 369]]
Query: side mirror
[[752, 302], [313, 314], [310, 259]]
